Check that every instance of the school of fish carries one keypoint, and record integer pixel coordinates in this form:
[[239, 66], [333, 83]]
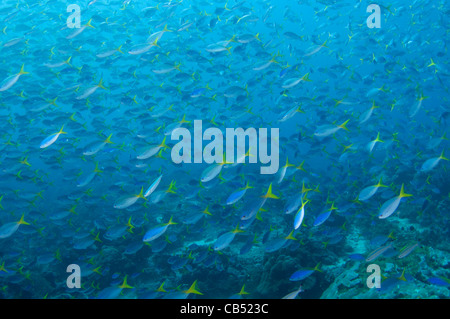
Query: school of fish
[[87, 178]]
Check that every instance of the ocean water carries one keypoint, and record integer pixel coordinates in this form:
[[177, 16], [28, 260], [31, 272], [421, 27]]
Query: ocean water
[[224, 149]]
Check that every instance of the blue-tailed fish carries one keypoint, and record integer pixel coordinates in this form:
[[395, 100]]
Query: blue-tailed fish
[[107, 53], [184, 293], [390, 206], [369, 191], [154, 233], [378, 252], [49, 140], [408, 250], [367, 114], [10, 228], [431, 163], [152, 150], [370, 146], [293, 294], [127, 201], [95, 147], [289, 114], [322, 217], [153, 186], [236, 196], [293, 203], [289, 83], [113, 292], [211, 172], [77, 31], [304, 273], [251, 210], [91, 90], [225, 240], [315, 49], [282, 171], [85, 180], [240, 294], [330, 129], [298, 219], [278, 243], [11, 80], [416, 107], [269, 193]]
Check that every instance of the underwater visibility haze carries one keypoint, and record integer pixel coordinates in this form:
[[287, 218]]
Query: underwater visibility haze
[[119, 178]]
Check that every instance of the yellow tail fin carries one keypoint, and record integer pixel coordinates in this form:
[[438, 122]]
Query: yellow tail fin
[[155, 43], [171, 188], [170, 222], [22, 221], [402, 276], [290, 236], [317, 268], [306, 78], [161, 288], [2, 267], [61, 131], [237, 230], [141, 194], [402, 192], [22, 71], [305, 189], [206, 211], [343, 125], [96, 169], [163, 143], [243, 292], [378, 138], [193, 289], [300, 167], [183, 120], [53, 102], [108, 140], [443, 157], [89, 24], [380, 183], [391, 235], [100, 84], [124, 284], [247, 186], [287, 163], [269, 193]]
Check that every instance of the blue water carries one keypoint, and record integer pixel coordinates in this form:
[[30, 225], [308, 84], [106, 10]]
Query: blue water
[[89, 175]]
